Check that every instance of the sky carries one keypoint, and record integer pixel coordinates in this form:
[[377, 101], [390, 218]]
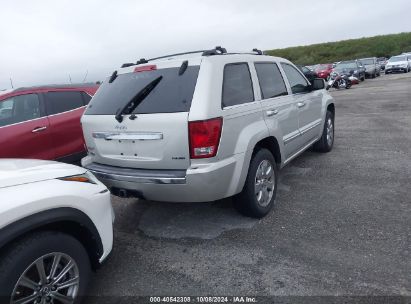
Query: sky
[[49, 41]]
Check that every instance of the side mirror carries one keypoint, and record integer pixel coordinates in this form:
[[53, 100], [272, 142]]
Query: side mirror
[[318, 84]]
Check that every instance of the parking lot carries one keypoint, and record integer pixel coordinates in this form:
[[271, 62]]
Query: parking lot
[[341, 224]]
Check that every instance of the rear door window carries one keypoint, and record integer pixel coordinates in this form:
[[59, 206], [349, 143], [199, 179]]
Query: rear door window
[[270, 79], [297, 82], [173, 93], [19, 109], [59, 102]]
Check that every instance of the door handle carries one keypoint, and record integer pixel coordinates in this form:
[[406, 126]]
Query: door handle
[[272, 112], [300, 104], [38, 129]]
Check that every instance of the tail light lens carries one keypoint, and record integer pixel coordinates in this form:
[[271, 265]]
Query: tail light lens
[[204, 137]]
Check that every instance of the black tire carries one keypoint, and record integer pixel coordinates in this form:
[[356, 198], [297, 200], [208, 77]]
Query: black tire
[[246, 201], [323, 145], [362, 78], [15, 260]]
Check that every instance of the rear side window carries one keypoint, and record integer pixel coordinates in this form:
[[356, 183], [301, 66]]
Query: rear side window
[[173, 93], [19, 109], [270, 79], [237, 85], [58, 102], [297, 81]]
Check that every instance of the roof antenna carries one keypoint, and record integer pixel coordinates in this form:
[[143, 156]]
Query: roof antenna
[[11, 82]]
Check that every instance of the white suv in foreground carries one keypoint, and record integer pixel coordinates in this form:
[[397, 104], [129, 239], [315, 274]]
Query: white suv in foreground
[[202, 126], [55, 226]]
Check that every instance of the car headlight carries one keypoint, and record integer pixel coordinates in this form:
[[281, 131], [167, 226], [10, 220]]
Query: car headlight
[[82, 178], [404, 65]]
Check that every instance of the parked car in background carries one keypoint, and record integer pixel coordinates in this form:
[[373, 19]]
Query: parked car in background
[[324, 70], [312, 67], [372, 68], [224, 132], [310, 74], [382, 61], [335, 63], [398, 64], [43, 122], [408, 57], [55, 227], [352, 68]]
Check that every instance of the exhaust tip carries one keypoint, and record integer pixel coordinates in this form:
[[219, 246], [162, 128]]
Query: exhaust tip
[[123, 193]]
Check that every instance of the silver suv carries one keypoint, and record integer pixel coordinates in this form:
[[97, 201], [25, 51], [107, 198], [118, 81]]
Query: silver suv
[[202, 126], [372, 67]]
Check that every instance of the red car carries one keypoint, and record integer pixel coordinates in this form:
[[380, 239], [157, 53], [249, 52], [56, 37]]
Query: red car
[[324, 70], [44, 122]]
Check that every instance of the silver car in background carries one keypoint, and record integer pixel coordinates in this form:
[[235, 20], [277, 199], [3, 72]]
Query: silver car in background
[[372, 67]]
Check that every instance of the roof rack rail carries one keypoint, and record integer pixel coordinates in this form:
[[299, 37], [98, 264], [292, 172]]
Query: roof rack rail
[[259, 52], [218, 50]]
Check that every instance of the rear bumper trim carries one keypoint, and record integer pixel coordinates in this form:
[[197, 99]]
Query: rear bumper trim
[[144, 176]]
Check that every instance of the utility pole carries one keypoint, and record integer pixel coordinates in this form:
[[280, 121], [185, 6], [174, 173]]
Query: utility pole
[[85, 76], [70, 78], [11, 82]]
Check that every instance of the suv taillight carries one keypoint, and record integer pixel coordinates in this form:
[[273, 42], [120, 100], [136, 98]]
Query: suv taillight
[[204, 137]]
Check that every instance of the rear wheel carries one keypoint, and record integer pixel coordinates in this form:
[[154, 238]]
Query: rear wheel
[[44, 267], [260, 188], [326, 142]]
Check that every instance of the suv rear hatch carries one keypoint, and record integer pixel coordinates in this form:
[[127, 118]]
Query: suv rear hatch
[[139, 116]]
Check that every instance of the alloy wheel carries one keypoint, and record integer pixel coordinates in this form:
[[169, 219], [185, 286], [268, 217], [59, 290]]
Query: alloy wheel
[[330, 131], [52, 278], [264, 183]]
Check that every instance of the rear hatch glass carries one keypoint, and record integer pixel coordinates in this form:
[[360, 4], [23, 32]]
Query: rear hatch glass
[[173, 93]]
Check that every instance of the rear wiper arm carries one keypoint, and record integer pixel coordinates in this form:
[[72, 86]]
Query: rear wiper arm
[[137, 99]]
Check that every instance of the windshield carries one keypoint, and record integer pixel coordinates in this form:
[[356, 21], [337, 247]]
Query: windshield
[[172, 94], [349, 65], [396, 59], [367, 61]]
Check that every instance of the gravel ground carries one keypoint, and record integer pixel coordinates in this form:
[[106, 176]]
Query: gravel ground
[[341, 225]]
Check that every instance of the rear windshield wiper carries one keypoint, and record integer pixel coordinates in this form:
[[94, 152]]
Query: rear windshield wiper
[[137, 99]]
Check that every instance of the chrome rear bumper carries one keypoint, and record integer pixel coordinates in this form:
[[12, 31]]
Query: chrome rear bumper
[[144, 176]]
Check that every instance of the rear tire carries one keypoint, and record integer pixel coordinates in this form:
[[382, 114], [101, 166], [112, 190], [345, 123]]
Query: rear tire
[[43, 248], [258, 195], [326, 142]]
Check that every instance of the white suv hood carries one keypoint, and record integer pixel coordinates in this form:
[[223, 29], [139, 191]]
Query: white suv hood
[[23, 171]]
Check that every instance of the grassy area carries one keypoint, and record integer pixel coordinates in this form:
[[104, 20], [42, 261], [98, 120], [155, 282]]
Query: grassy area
[[378, 46]]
